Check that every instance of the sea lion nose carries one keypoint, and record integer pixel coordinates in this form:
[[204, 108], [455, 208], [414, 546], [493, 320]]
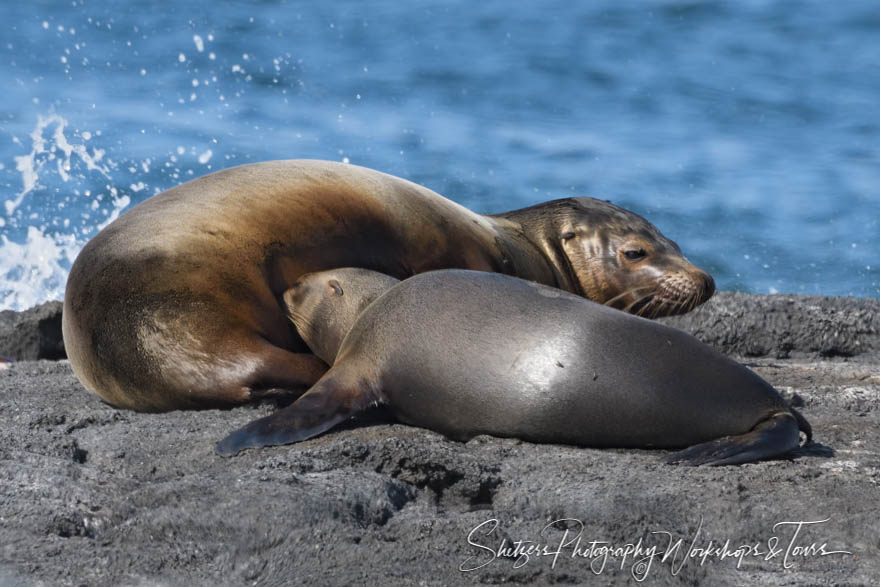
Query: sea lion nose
[[708, 286]]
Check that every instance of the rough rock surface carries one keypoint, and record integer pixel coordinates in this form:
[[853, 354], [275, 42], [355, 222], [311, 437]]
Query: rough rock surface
[[32, 334], [785, 326], [98, 496]]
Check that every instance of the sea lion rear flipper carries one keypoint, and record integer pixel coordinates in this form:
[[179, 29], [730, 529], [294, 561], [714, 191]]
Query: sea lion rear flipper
[[772, 437], [333, 399]]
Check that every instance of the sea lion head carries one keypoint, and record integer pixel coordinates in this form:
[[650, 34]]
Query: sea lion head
[[325, 305], [615, 257]]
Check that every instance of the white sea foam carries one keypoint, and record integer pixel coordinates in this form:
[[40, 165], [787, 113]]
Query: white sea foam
[[36, 270]]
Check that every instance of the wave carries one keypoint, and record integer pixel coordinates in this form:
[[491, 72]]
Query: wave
[[42, 231]]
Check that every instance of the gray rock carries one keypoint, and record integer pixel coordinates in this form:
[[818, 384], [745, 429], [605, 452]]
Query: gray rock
[[785, 325], [32, 334]]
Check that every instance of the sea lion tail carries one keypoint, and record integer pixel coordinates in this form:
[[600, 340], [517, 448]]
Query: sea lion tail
[[771, 437], [803, 425], [333, 399]]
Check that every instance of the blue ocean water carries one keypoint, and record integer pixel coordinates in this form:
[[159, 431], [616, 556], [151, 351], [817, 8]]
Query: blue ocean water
[[748, 131]]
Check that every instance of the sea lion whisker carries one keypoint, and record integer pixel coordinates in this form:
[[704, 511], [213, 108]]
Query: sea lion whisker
[[630, 305], [647, 307], [638, 301], [682, 305], [675, 306], [300, 320], [630, 291]]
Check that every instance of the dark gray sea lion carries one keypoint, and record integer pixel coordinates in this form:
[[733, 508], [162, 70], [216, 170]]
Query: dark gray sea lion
[[176, 304], [467, 353]]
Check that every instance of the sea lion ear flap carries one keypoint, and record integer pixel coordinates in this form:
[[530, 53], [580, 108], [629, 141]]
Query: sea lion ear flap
[[336, 287], [569, 260], [566, 238], [288, 297]]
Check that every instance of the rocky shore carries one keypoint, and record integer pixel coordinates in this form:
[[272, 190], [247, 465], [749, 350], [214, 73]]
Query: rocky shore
[[92, 495]]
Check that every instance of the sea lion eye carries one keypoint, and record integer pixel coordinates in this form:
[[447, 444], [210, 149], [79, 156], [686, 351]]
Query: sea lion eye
[[635, 254], [337, 289], [566, 236]]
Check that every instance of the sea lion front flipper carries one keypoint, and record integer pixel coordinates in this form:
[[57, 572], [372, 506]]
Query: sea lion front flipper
[[775, 436], [333, 399]]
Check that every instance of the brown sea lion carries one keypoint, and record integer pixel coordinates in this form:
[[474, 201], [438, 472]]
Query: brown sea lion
[[176, 304], [467, 353]]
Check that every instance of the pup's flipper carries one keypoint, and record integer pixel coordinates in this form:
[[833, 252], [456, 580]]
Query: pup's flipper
[[333, 399], [773, 437]]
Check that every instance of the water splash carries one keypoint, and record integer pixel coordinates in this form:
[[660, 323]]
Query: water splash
[[31, 164], [120, 203], [36, 270]]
